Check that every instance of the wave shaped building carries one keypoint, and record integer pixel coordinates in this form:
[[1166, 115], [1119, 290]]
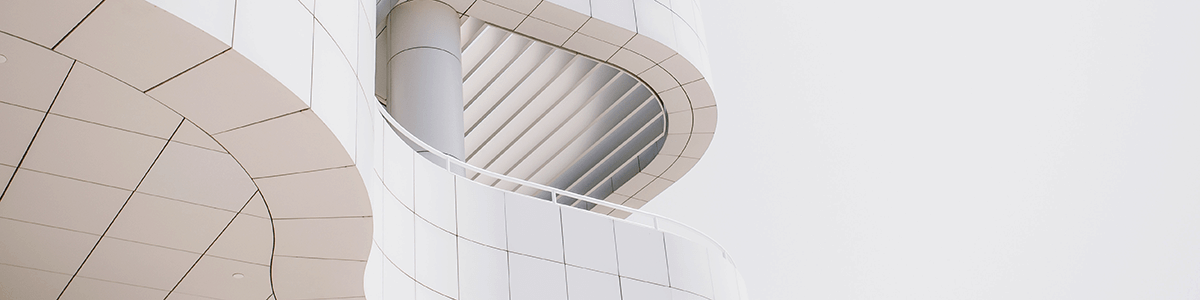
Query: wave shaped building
[[342, 149]]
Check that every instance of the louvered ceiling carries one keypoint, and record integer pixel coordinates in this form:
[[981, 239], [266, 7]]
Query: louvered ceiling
[[547, 115]]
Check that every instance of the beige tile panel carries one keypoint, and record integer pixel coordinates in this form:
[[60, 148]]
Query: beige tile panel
[[92, 152], [139, 43], [43, 22], [169, 223], [137, 264], [32, 74], [62, 202]]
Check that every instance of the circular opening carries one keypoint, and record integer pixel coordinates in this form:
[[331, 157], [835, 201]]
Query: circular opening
[[3, 58], [238, 275]]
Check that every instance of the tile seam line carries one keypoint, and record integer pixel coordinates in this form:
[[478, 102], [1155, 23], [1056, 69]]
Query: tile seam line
[[118, 214], [210, 245], [38, 130]]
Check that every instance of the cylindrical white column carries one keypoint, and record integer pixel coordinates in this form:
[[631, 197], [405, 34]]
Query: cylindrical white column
[[425, 65]]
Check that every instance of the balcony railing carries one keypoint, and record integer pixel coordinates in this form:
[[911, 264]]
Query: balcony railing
[[635, 215]]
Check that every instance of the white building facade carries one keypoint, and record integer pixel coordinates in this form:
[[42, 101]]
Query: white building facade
[[315, 149]]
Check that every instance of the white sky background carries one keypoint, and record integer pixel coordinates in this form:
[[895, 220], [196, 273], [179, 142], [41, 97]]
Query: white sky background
[[953, 149]]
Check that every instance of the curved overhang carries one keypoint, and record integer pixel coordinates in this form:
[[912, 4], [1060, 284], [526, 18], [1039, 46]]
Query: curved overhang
[[660, 43], [182, 58]]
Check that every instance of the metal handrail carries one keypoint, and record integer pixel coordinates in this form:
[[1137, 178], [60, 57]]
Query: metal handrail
[[554, 192]]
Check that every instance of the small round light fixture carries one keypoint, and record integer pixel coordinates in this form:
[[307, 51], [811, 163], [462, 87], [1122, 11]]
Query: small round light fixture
[[238, 275], [3, 58]]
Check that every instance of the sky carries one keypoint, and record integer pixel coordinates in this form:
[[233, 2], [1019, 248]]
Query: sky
[[926, 149]]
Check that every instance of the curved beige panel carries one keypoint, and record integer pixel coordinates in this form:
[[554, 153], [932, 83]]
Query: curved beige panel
[[248, 105], [661, 42]]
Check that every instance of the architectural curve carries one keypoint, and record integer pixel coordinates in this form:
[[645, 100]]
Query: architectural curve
[[660, 42], [278, 93]]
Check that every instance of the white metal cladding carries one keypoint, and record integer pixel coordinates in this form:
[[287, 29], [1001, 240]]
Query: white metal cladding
[[540, 113]]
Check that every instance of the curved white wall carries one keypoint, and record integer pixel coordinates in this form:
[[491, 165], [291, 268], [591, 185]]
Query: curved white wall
[[441, 236]]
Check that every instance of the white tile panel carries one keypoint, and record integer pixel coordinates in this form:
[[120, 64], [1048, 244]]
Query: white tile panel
[[687, 263], [137, 264], [366, 52], [534, 227], [639, 290], [169, 223], [685, 9], [213, 277], [331, 238], [706, 120], [425, 293], [483, 272], [655, 21], [293, 143], [32, 75], [364, 142], [618, 13], [340, 20], [398, 160], [189, 134], [302, 278], [248, 238], [584, 284], [675, 100], [277, 35], [139, 43], [501, 16], [481, 213], [724, 277], [536, 279], [92, 152], [566, 13], [43, 247], [327, 193], [397, 285], [26, 283], [632, 62], [200, 176], [682, 295], [215, 100], [434, 194], [214, 16], [641, 253], [334, 90], [591, 46], [88, 288], [399, 235], [93, 96], [43, 22], [588, 240], [373, 277], [17, 127], [437, 259], [545, 31]]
